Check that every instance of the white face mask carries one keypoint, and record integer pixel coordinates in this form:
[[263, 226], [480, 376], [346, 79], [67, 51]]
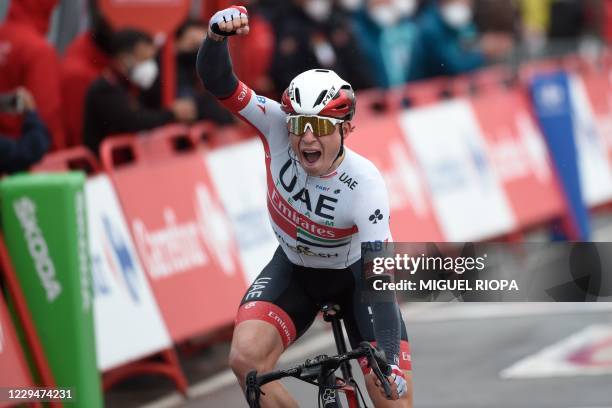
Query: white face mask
[[456, 15], [143, 74], [318, 10], [351, 5], [384, 15], [405, 8]]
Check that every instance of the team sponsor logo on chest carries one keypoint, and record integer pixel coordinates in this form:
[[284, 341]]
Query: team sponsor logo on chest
[[324, 206]]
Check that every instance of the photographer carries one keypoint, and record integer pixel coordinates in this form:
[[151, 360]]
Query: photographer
[[19, 154]]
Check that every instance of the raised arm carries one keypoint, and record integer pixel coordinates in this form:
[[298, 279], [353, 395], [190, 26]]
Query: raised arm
[[214, 64], [214, 68]]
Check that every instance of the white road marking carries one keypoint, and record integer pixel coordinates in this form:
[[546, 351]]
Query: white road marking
[[553, 361], [468, 311]]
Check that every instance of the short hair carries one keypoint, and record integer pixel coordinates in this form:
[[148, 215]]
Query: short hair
[[125, 40], [187, 24]]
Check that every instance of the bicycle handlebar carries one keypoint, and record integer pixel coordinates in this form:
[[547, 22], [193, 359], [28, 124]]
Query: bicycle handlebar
[[376, 361]]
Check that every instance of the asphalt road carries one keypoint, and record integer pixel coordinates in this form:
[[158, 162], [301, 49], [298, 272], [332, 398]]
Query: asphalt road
[[464, 355], [457, 363]]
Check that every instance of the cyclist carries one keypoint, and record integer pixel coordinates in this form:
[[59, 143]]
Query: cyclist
[[323, 201]]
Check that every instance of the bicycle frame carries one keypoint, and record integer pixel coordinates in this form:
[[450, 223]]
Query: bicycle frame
[[331, 314], [320, 371]]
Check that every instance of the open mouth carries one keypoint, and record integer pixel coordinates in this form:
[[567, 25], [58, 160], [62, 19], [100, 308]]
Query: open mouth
[[311, 156]]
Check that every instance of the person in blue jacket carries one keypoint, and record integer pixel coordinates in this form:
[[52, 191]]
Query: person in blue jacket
[[17, 154], [450, 43], [388, 34]]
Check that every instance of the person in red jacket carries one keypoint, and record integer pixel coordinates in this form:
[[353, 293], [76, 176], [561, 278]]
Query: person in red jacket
[[28, 60], [84, 61]]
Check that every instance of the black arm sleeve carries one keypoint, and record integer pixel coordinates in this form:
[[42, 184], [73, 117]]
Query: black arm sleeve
[[214, 68], [19, 154], [387, 325]]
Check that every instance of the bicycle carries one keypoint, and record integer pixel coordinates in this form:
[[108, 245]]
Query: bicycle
[[320, 370]]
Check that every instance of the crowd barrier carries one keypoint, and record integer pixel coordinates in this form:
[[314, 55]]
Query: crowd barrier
[[178, 223]]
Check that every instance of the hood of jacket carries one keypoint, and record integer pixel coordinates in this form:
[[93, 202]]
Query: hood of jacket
[[35, 13]]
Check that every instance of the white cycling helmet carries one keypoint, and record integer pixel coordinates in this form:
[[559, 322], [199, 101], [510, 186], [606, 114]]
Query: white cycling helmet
[[319, 92]]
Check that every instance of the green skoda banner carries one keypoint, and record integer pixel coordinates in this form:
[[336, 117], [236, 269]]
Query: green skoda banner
[[44, 221]]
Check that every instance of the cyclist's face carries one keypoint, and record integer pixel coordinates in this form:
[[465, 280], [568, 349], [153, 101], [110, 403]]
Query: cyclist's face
[[317, 154]]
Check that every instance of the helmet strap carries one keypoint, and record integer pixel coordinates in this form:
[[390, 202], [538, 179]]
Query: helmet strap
[[341, 151]]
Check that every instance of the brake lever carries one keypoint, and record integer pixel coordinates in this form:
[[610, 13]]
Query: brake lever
[[382, 378], [373, 363], [252, 391]]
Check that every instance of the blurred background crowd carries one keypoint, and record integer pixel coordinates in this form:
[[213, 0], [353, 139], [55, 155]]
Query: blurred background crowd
[[68, 79]]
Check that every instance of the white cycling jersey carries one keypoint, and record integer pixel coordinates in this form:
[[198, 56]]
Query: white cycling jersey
[[319, 222]]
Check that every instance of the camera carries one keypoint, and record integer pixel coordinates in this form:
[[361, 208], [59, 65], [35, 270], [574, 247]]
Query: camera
[[11, 103]]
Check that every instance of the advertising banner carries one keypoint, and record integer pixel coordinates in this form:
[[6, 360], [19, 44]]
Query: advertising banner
[[552, 101], [184, 240], [127, 320], [44, 218], [592, 117], [238, 173], [468, 197], [412, 215], [598, 86], [519, 155], [14, 372]]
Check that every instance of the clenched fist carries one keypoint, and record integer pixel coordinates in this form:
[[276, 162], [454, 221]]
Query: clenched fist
[[229, 21]]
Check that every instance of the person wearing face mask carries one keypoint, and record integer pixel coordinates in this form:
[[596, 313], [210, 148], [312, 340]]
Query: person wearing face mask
[[450, 43], [28, 60], [310, 34], [188, 38], [387, 34], [113, 103]]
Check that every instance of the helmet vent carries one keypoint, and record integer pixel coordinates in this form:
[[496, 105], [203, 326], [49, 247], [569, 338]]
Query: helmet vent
[[297, 96], [320, 97], [321, 70]]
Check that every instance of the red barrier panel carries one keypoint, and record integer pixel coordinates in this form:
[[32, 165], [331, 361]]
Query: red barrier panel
[[426, 92], [519, 154], [165, 362], [379, 138], [21, 309], [210, 136], [76, 158], [14, 372], [165, 142], [180, 231]]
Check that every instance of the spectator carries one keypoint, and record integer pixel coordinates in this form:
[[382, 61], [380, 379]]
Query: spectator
[[113, 102], [252, 54], [567, 18], [499, 16], [450, 43], [312, 34], [189, 36], [387, 33], [83, 62], [28, 60], [19, 154]]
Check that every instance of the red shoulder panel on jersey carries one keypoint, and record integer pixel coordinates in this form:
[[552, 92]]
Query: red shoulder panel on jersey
[[239, 99]]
